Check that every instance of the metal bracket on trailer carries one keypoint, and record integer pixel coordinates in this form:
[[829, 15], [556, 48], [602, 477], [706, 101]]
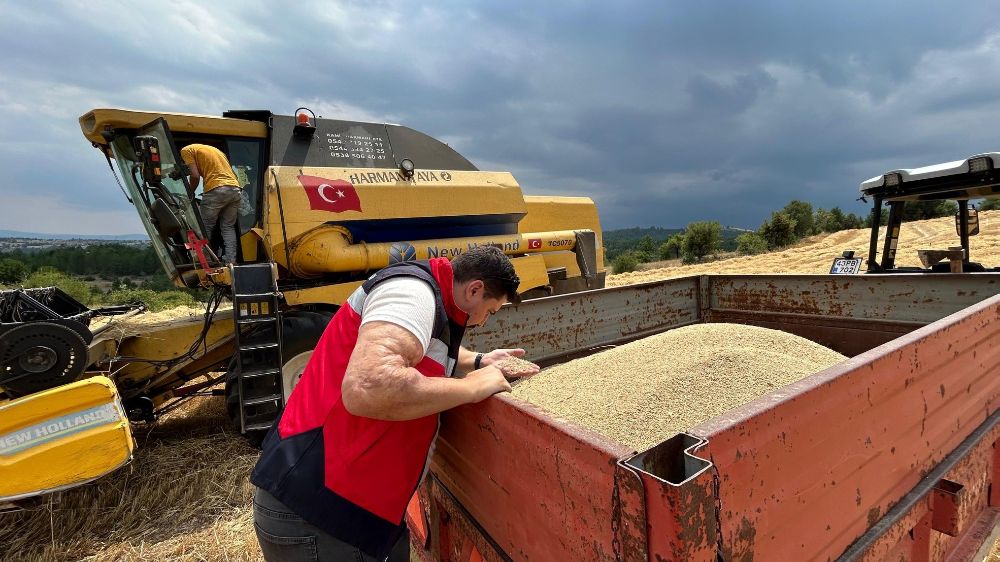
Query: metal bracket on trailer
[[939, 489], [680, 490]]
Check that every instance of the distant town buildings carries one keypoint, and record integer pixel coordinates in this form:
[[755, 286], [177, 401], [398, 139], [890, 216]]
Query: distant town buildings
[[39, 244]]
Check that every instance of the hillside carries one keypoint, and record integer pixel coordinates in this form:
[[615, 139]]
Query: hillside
[[816, 253], [618, 240]]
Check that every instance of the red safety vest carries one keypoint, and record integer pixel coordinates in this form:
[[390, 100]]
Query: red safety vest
[[349, 475]]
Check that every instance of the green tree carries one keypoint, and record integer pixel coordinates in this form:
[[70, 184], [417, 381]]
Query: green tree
[[920, 210], [701, 239], [802, 213], [647, 245], [853, 221], [751, 244], [671, 248], [835, 219], [108, 260], [641, 257], [779, 231], [838, 220], [154, 300], [991, 204], [824, 221], [51, 277], [12, 271], [625, 262], [883, 218]]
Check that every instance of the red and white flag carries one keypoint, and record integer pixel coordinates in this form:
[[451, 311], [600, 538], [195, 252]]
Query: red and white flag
[[534, 243], [330, 195]]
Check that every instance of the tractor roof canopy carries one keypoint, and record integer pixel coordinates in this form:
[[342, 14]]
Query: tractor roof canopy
[[972, 178]]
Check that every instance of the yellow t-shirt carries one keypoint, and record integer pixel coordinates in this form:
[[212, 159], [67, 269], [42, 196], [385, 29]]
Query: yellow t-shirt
[[212, 165]]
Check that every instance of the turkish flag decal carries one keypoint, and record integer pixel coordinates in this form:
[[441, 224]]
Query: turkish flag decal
[[534, 243], [330, 195]]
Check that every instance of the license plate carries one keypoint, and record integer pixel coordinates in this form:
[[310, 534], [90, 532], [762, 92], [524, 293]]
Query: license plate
[[846, 266]]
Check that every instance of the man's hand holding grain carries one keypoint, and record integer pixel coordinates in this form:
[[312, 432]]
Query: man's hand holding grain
[[510, 363]]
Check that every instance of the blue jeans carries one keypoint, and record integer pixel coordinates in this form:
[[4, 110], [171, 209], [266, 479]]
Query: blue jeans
[[286, 537], [222, 203]]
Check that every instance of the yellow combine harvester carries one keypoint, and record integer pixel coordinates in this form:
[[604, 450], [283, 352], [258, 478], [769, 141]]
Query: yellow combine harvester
[[324, 203]]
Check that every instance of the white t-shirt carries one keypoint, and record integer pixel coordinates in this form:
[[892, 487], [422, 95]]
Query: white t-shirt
[[404, 301]]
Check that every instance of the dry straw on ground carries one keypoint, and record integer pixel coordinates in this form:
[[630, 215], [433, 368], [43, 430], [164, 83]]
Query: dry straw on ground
[[646, 391], [186, 496]]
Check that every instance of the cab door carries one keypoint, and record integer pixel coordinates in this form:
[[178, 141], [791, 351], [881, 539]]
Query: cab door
[[157, 182]]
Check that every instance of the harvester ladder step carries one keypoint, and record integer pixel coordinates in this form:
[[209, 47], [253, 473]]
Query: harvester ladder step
[[262, 400], [256, 302], [246, 321], [261, 373], [259, 346], [244, 297]]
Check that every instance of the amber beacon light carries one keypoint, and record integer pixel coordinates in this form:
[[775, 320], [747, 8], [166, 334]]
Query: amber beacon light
[[305, 123]]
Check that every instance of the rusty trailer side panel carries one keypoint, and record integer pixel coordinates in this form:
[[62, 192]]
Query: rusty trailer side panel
[[897, 297], [862, 456], [848, 314], [559, 327], [543, 488], [806, 470]]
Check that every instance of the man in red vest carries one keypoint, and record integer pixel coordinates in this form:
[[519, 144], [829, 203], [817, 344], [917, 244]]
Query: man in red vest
[[354, 440]]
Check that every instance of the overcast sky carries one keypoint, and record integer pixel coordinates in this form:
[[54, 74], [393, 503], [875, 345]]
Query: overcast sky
[[664, 112]]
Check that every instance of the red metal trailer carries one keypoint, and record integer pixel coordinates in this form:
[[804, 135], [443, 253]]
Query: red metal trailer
[[889, 455]]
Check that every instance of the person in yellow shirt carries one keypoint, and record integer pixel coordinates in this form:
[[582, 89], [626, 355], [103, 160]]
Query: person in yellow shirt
[[221, 196]]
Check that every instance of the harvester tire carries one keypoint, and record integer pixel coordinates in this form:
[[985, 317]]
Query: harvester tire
[[300, 330]]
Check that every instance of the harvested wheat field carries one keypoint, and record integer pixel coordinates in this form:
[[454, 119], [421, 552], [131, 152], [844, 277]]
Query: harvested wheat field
[[651, 389], [816, 253], [186, 496]]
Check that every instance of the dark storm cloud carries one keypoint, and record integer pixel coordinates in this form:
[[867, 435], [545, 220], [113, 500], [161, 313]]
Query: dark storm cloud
[[663, 112]]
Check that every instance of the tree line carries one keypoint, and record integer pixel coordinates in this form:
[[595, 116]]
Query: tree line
[[75, 270], [106, 260], [786, 226]]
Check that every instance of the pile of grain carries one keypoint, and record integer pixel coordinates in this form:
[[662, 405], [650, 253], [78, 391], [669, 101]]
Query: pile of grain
[[516, 367], [651, 389]]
